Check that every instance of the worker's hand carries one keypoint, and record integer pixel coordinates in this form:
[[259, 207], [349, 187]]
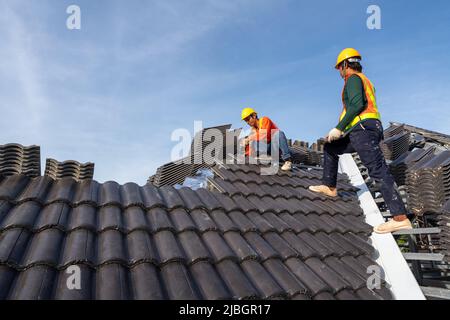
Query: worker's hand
[[334, 134]]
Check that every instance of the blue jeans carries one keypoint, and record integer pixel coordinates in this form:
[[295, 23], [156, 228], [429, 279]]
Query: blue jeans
[[277, 139], [364, 139]]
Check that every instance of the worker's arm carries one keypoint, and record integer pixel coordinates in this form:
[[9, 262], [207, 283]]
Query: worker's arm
[[356, 101]]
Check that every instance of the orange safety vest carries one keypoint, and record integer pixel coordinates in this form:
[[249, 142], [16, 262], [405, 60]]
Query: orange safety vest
[[266, 125], [371, 110]]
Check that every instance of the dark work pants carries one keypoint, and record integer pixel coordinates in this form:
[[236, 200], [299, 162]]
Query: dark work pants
[[364, 139]]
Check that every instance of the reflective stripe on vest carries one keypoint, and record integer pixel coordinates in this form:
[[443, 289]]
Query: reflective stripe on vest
[[371, 110]]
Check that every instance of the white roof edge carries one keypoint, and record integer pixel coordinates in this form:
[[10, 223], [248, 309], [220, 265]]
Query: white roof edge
[[397, 272]]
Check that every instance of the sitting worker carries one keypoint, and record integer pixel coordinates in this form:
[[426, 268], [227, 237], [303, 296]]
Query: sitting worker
[[265, 132], [360, 130]]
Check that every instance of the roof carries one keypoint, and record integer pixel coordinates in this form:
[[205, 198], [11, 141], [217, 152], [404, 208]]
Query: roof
[[250, 236]]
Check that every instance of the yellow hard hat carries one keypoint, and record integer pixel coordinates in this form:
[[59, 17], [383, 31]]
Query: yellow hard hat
[[247, 112], [347, 54]]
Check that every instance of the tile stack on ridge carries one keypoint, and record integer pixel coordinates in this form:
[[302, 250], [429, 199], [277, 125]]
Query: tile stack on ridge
[[444, 235], [302, 154], [70, 168], [18, 159], [263, 237], [176, 172], [396, 145], [428, 183], [399, 166]]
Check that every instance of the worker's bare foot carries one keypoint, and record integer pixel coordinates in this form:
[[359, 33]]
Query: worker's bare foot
[[328, 191], [392, 226]]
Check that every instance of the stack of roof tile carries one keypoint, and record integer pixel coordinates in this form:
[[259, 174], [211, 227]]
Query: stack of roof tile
[[71, 168], [394, 146], [261, 237], [444, 235], [302, 154], [17, 159], [393, 130], [407, 160], [428, 183], [176, 172]]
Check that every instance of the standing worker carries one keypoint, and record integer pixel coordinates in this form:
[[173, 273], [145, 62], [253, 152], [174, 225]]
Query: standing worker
[[265, 130], [360, 130]]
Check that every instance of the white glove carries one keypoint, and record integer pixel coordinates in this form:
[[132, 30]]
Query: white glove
[[334, 134]]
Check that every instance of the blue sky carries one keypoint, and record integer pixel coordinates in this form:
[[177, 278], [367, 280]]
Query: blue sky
[[114, 91]]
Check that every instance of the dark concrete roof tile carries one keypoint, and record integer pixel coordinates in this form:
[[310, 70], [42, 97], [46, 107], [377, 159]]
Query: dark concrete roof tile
[[293, 223], [346, 244], [159, 219], [299, 245], [110, 217], [285, 278], [112, 282], [314, 284], [334, 246], [178, 282], [54, 215], [79, 247], [324, 296], [13, 186], [227, 203], [87, 191], [182, 220], [45, 248], [191, 199], [130, 195], [355, 280], [83, 216], [223, 222], [61, 190], [36, 190], [240, 247], [146, 283], [264, 250], [171, 197], [242, 222], [210, 285], [194, 248], [141, 248], [167, 246], [236, 281], [13, 244], [346, 294], [151, 197], [258, 220], [327, 274], [366, 294], [280, 245], [275, 221], [203, 220], [321, 249], [133, 218], [218, 246], [109, 193], [111, 247], [7, 276], [262, 280], [23, 215], [35, 283]]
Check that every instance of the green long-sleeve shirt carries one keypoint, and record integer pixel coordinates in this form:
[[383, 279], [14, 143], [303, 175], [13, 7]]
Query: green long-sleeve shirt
[[355, 100]]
